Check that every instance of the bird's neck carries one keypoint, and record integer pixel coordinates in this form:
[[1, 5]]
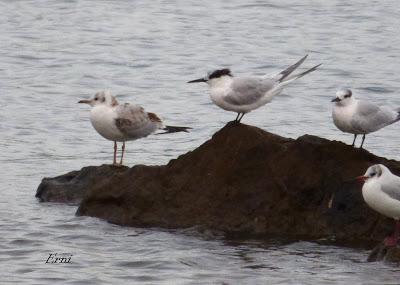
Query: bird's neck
[[349, 104], [101, 108], [220, 82]]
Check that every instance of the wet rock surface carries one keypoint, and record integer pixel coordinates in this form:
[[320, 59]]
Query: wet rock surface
[[242, 181], [72, 186]]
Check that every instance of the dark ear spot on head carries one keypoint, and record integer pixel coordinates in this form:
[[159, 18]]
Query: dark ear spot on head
[[103, 99], [348, 94], [114, 102], [220, 72], [378, 171]]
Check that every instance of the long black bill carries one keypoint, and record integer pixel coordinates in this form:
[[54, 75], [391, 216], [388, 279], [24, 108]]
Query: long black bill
[[197, 80], [84, 101], [335, 100]]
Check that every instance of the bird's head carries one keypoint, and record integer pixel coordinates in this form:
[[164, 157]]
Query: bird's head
[[101, 98], [214, 77], [343, 97], [374, 172]]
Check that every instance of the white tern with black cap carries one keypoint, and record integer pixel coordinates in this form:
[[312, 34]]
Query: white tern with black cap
[[244, 94]]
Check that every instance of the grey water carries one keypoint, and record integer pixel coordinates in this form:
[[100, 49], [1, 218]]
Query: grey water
[[54, 53]]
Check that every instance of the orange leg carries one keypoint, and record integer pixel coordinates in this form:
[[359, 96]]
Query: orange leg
[[393, 240], [123, 151], [115, 153]]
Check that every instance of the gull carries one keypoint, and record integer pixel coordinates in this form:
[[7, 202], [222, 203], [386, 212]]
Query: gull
[[244, 94], [360, 117], [381, 191], [121, 123]]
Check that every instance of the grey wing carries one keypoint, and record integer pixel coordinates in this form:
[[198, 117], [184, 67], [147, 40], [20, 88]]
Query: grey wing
[[134, 122], [246, 91], [392, 190], [370, 117]]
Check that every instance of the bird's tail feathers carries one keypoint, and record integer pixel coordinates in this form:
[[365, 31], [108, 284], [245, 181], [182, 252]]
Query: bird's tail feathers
[[175, 129], [285, 73], [279, 86], [299, 75]]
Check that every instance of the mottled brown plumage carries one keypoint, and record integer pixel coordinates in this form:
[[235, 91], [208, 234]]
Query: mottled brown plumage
[[153, 117], [123, 122]]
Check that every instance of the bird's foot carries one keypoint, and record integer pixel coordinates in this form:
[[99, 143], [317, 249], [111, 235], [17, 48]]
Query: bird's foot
[[234, 122], [117, 164], [390, 241]]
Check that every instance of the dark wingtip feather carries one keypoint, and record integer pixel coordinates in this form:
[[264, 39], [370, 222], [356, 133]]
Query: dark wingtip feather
[[285, 73], [309, 70], [174, 129]]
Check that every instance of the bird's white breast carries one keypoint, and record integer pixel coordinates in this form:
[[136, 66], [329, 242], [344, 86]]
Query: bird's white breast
[[228, 94], [342, 116], [219, 89], [380, 201], [103, 121]]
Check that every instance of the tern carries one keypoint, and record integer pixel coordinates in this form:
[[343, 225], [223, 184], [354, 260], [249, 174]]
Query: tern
[[360, 117], [123, 122], [244, 94], [381, 191]]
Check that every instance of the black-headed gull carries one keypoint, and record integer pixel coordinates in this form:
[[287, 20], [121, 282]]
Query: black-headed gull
[[360, 117], [123, 122], [381, 191]]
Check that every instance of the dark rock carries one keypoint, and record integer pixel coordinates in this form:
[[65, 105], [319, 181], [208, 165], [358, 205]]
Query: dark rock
[[242, 181], [71, 187], [246, 180], [385, 254]]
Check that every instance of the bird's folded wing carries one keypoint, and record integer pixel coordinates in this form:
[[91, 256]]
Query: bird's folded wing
[[369, 117], [392, 190], [134, 121], [246, 91]]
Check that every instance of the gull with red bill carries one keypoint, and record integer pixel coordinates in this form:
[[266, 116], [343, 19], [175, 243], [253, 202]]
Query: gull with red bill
[[381, 191], [125, 122]]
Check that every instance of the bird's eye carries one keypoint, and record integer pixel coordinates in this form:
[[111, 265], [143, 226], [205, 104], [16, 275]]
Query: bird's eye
[[372, 174], [95, 99], [347, 96]]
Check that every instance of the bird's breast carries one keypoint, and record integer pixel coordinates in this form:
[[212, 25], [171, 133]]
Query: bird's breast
[[342, 116], [217, 95], [103, 121], [380, 201]]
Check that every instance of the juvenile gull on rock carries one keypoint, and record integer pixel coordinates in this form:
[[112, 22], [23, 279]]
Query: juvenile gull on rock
[[121, 123]]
